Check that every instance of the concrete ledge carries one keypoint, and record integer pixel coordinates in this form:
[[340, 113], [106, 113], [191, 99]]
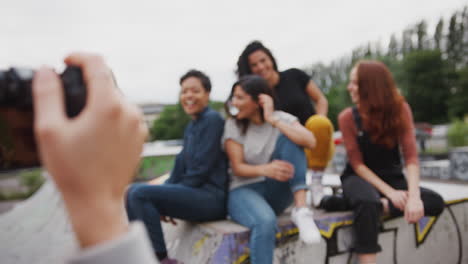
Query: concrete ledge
[[431, 240], [38, 231]]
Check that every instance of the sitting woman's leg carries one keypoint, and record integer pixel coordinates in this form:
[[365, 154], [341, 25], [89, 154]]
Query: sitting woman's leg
[[367, 208], [318, 158], [433, 203], [322, 127], [149, 202], [248, 207], [302, 216], [286, 150]]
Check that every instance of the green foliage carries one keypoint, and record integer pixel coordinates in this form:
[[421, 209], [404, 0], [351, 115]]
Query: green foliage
[[458, 134], [217, 106], [458, 103], [428, 67], [173, 120], [32, 179], [438, 34], [426, 85], [170, 124], [338, 99], [153, 167]]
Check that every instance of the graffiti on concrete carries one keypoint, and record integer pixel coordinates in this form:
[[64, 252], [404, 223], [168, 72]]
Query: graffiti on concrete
[[395, 238], [459, 164]]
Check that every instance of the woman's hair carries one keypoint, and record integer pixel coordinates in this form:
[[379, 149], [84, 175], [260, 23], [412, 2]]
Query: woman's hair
[[252, 85], [380, 103], [243, 67], [204, 79]]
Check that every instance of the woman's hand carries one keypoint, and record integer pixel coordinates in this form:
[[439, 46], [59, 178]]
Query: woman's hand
[[414, 210], [279, 170], [398, 199], [266, 102], [93, 156]]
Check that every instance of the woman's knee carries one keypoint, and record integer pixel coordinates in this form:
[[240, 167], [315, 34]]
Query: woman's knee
[[287, 150], [265, 225], [319, 122], [132, 191], [139, 192], [367, 205], [433, 204]]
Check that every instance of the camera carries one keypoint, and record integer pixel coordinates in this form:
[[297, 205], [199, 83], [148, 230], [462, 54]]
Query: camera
[[18, 148], [16, 92]]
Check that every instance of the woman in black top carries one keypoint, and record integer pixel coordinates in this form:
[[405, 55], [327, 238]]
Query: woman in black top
[[294, 92]]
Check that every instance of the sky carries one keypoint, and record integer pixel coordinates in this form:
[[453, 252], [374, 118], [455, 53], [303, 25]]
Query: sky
[[150, 44]]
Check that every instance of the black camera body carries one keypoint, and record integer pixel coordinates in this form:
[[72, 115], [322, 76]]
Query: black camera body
[[18, 148], [16, 92]]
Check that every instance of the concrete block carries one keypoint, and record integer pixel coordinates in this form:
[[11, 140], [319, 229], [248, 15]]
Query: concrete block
[[459, 163], [38, 231]]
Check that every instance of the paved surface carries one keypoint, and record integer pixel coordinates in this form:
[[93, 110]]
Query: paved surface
[[7, 206]]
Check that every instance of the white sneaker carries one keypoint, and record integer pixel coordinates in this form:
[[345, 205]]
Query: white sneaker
[[308, 231]]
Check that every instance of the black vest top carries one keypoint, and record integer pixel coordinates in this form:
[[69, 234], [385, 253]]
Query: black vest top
[[384, 162]]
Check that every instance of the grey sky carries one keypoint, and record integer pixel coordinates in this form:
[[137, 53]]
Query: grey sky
[[150, 44]]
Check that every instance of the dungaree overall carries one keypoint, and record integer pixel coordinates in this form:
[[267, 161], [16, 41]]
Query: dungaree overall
[[365, 198]]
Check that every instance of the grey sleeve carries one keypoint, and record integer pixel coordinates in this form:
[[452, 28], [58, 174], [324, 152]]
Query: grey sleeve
[[285, 117], [232, 131], [132, 247]]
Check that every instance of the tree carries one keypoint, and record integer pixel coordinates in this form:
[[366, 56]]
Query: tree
[[458, 103], [393, 47], [173, 120], [454, 41], [465, 35], [407, 41], [425, 85], [421, 34], [170, 124], [438, 34]]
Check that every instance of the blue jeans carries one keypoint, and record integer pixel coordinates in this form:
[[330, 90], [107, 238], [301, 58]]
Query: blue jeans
[[148, 202], [256, 205]]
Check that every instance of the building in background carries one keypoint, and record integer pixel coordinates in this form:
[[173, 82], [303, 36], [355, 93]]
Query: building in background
[[151, 112]]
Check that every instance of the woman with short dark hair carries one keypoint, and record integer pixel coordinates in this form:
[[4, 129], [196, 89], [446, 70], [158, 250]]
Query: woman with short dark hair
[[196, 188]]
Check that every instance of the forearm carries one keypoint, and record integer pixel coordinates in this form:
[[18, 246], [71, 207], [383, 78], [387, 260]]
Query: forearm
[[412, 176], [321, 106], [320, 101], [364, 172], [296, 133], [248, 170], [96, 221]]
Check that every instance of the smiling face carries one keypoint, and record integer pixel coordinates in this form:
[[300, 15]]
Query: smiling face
[[246, 106], [353, 87], [261, 64], [193, 97]]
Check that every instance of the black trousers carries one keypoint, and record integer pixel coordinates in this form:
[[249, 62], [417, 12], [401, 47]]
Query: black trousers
[[364, 199]]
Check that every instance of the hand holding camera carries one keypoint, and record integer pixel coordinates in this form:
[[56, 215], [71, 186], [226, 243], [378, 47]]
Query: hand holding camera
[[93, 156]]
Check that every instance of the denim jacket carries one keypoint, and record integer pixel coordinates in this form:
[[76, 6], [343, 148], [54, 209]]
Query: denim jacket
[[202, 163]]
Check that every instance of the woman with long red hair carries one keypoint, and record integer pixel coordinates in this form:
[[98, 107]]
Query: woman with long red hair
[[375, 131]]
